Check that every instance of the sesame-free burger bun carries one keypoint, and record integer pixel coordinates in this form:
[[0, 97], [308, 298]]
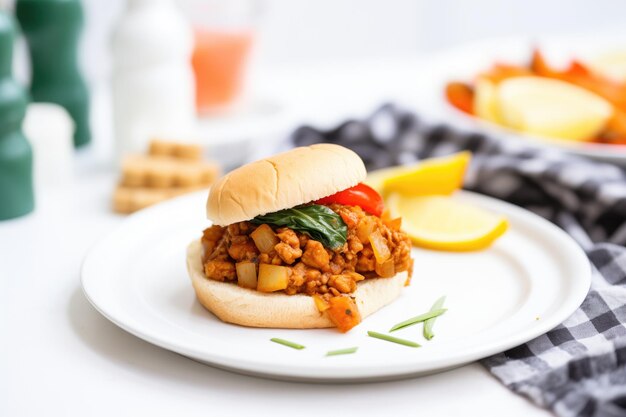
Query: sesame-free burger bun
[[234, 304], [286, 180]]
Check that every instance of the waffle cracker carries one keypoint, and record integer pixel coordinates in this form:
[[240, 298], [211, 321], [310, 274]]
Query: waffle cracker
[[130, 199], [174, 149], [166, 172]]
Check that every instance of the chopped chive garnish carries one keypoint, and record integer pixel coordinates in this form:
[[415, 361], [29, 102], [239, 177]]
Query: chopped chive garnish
[[418, 319], [393, 339], [342, 351], [428, 324], [287, 343]]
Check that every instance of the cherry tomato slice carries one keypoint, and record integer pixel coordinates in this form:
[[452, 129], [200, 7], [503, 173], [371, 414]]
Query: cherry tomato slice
[[360, 195]]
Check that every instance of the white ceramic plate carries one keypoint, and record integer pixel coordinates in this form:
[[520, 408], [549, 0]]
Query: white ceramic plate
[[532, 279], [464, 62]]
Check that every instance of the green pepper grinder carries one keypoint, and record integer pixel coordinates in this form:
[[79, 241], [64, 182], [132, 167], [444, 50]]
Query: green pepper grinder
[[52, 29], [16, 160]]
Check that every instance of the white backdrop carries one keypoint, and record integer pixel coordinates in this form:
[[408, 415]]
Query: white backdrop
[[319, 31]]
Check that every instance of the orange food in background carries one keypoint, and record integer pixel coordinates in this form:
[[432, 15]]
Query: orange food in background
[[461, 95], [579, 74], [500, 72], [219, 61]]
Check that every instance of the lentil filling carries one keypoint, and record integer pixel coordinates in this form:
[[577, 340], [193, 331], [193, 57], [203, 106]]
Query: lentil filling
[[312, 268]]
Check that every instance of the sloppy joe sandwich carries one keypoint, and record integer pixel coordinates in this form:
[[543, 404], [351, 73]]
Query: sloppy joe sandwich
[[298, 241]]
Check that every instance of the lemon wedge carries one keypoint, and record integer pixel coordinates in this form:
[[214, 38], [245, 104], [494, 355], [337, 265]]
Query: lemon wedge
[[376, 179], [440, 176], [552, 108], [444, 223]]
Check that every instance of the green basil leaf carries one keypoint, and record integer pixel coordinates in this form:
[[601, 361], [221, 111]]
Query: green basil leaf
[[316, 221]]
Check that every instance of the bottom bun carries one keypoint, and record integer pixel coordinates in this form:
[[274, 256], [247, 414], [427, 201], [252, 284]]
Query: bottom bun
[[234, 304]]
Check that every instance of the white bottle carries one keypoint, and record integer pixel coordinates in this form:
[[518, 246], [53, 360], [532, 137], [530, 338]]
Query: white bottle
[[153, 82], [50, 131]]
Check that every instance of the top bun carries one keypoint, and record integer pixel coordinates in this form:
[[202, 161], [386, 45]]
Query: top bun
[[283, 181]]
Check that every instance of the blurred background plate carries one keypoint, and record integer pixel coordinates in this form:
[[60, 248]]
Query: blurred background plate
[[463, 63]]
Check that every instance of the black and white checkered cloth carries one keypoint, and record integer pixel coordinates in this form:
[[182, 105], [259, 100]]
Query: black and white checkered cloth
[[579, 368]]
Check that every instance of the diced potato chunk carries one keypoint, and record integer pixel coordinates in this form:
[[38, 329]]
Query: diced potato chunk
[[246, 274], [272, 278], [387, 269], [365, 228], [379, 245], [321, 304], [264, 238]]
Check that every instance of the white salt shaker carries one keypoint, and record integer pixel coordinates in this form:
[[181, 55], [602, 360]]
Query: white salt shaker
[[49, 129], [153, 83]]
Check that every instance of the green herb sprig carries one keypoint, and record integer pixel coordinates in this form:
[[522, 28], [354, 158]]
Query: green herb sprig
[[287, 343], [418, 319], [428, 324], [316, 221], [346, 351], [392, 339]]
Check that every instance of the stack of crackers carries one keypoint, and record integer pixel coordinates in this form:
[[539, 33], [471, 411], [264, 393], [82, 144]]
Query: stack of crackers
[[168, 170]]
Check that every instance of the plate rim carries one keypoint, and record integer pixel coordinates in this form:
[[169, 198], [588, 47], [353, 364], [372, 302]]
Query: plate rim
[[360, 374]]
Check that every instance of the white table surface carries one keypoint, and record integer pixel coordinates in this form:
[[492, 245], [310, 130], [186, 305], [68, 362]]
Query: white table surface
[[60, 357]]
